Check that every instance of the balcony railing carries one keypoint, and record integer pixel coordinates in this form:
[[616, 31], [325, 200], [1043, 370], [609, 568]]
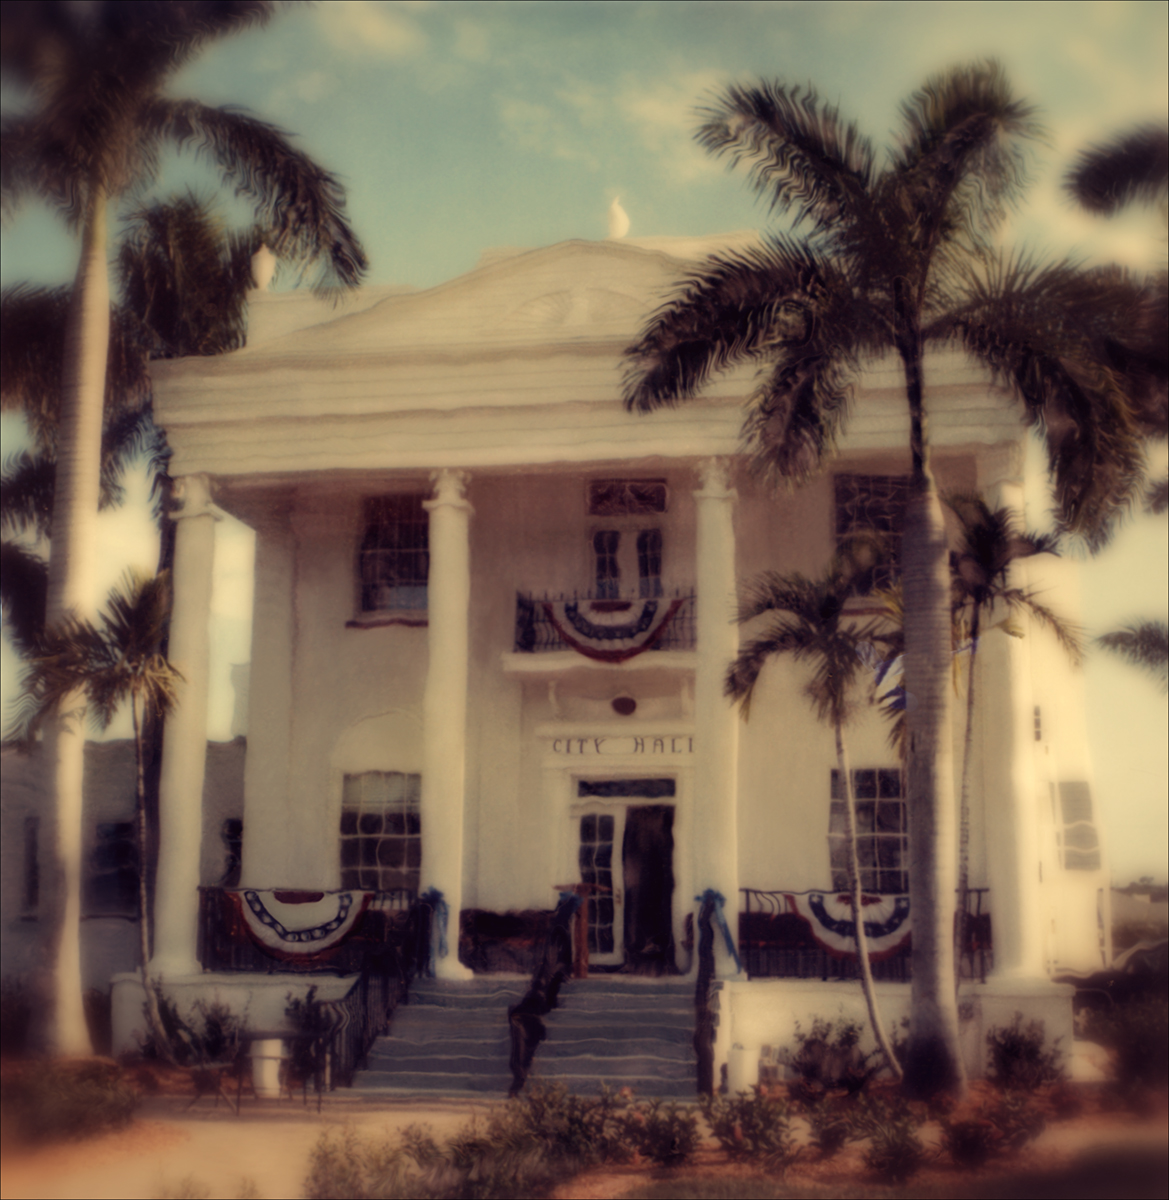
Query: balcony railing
[[777, 942], [388, 946], [605, 628]]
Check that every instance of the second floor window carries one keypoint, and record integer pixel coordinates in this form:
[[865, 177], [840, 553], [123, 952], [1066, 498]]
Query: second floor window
[[882, 832], [617, 554], [873, 504], [395, 554]]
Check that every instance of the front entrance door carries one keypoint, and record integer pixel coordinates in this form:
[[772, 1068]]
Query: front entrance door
[[626, 851]]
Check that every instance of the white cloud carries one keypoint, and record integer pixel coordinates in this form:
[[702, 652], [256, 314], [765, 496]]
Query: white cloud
[[368, 29], [316, 85], [472, 41], [538, 127], [663, 115]]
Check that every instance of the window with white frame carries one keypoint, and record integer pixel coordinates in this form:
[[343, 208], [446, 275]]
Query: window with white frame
[[882, 831], [395, 554], [381, 831], [628, 549], [111, 888], [872, 504]]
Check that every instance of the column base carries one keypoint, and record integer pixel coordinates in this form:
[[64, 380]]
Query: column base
[[173, 966], [451, 969]]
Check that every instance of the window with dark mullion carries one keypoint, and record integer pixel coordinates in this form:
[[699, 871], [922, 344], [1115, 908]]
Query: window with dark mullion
[[882, 831]]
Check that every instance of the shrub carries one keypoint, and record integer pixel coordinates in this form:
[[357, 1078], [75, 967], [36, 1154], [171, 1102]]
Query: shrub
[[832, 1126], [1018, 1060], [1018, 1120], [1137, 1032], [212, 1034], [828, 1059], [66, 1100], [895, 1152], [970, 1142], [755, 1128], [665, 1133]]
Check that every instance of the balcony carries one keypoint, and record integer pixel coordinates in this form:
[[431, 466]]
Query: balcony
[[584, 629], [779, 940]]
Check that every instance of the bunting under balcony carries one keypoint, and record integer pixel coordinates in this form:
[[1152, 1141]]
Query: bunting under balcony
[[604, 629]]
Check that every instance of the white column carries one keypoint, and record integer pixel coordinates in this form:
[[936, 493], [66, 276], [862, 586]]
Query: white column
[[444, 704], [716, 721], [267, 802], [180, 807], [1007, 715]]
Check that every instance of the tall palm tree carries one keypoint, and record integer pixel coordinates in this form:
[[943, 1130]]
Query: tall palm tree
[[117, 661], [899, 256], [813, 625], [980, 568], [96, 75]]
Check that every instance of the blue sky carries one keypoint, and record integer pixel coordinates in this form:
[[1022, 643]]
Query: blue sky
[[461, 126]]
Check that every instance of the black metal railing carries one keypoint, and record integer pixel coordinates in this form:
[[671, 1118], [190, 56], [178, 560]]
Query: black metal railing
[[775, 942], [389, 946], [536, 630]]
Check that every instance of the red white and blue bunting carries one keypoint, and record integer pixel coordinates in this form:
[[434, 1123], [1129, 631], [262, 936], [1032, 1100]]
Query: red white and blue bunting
[[886, 918], [294, 924], [610, 630]]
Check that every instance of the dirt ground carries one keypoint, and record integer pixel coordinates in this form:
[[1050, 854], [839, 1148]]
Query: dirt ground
[[264, 1152]]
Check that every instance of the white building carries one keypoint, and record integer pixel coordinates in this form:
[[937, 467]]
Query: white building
[[493, 613]]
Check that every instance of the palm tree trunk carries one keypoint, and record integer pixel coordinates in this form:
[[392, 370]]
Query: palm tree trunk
[[71, 592], [854, 889], [933, 1059], [964, 803], [153, 1011]]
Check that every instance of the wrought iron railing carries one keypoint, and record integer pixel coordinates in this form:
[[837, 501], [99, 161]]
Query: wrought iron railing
[[389, 946], [543, 625], [777, 943]]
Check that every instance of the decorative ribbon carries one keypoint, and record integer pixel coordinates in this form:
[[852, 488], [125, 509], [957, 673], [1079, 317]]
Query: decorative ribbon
[[295, 924], [717, 900], [833, 924], [643, 631], [442, 912]]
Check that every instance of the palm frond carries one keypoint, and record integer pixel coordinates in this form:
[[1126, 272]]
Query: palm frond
[[1157, 495], [784, 637], [24, 584], [26, 493], [963, 144], [1069, 635], [800, 153], [1145, 644], [301, 204], [1041, 331], [1132, 167]]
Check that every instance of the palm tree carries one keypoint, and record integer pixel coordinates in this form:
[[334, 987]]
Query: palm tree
[[813, 625], [96, 75], [899, 256], [119, 660], [1144, 644], [980, 568]]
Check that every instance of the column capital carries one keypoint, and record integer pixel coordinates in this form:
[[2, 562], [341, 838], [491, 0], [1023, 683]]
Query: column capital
[[714, 480], [450, 485], [191, 495]]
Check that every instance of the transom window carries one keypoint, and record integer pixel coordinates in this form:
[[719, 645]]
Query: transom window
[[872, 504], [395, 554], [626, 497], [882, 831], [381, 831]]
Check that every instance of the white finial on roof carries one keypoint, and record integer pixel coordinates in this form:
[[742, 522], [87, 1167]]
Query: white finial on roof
[[618, 219], [263, 268]]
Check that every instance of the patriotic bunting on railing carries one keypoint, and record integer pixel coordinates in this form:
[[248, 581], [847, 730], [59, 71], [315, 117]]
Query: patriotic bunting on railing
[[829, 915], [610, 630], [294, 924]]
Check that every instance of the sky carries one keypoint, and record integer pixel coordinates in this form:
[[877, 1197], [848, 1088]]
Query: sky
[[456, 127]]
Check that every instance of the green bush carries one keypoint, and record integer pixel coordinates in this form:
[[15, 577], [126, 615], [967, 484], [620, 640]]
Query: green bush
[[831, 1122], [1018, 1059], [667, 1134], [829, 1059], [755, 1128], [61, 1101], [895, 1152], [1137, 1032]]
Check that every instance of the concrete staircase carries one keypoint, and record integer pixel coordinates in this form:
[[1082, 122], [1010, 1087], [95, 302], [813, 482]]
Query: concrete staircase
[[453, 1038]]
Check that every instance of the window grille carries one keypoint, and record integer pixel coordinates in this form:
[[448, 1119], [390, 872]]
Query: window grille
[[232, 833], [626, 497], [395, 554], [608, 572], [1078, 840], [112, 886], [649, 562], [882, 831], [872, 504], [381, 831]]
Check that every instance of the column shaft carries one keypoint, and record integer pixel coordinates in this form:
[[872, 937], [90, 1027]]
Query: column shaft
[[176, 900], [444, 704], [716, 721]]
